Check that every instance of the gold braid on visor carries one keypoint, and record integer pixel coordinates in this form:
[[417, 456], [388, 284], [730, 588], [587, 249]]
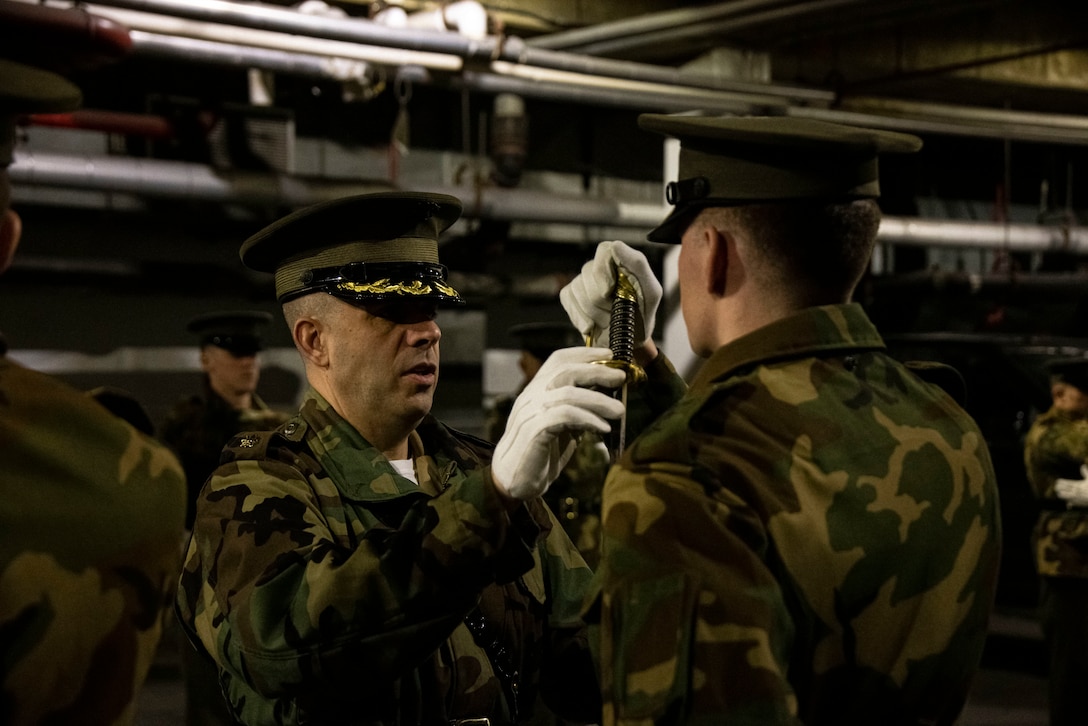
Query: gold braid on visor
[[379, 281]]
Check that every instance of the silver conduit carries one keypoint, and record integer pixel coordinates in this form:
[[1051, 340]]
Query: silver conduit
[[543, 73], [182, 180], [581, 38], [240, 56], [490, 48]]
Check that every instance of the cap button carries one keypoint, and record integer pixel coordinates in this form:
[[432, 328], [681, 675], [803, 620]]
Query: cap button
[[671, 193]]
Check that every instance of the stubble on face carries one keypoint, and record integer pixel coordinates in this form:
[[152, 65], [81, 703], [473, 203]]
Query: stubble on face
[[387, 367]]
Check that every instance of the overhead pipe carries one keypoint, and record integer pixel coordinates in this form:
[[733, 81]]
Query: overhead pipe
[[182, 180], [696, 27], [480, 50], [240, 56], [1009, 236], [192, 40], [578, 39], [147, 28], [146, 126], [444, 51], [77, 40]]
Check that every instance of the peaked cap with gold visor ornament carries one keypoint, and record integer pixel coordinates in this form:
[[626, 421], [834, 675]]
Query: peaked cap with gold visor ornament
[[369, 248]]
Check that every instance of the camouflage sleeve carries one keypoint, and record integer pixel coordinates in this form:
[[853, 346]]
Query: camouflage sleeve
[[568, 681], [90, 528], [1055, 447], [662, 388], [678, 604], [286, 593]]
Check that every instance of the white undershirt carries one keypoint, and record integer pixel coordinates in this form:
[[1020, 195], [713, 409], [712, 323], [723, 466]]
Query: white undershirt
[[406, 468]]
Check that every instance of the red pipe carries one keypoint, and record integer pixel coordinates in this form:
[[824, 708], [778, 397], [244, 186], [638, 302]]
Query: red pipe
[[114, 122], [60, 39]]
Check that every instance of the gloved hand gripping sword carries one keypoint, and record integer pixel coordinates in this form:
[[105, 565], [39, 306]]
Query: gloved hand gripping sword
[[621, 339]]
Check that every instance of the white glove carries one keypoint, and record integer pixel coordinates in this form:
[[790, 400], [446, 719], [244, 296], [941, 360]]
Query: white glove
[[1074, 491], [548, 417], [588, 297]]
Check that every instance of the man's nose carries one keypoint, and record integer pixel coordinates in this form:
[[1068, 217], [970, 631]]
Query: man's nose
[[425, 332]]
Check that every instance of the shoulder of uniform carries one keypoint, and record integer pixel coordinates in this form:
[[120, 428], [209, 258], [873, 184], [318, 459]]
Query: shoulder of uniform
[[942, 375], [250, 445]]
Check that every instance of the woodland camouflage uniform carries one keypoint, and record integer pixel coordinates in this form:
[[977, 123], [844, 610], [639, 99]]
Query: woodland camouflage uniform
[[198, 427], [264, 583], [90, 518], [810, 536], [1055, 447]]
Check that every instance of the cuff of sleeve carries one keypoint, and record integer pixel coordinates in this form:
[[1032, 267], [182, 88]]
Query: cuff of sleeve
[[515, 555]]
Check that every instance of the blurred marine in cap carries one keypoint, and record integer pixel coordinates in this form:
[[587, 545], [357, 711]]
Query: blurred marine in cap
[[199, 426], [1056, 461], [197, 429], [90, 518], [365, 563], [811, 534]]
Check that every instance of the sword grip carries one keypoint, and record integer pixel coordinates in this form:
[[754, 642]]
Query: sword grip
[[621, 328], [621, 339]]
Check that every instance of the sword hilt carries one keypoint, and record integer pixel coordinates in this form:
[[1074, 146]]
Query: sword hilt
[[621, 328]]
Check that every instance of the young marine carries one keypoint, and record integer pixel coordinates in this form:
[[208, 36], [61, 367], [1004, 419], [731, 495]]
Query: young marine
[[811, 535]]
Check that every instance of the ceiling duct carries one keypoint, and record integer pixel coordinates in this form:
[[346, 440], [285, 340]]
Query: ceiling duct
[[181, 180]]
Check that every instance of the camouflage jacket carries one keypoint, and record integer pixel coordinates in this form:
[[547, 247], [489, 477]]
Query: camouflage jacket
[[198, 427], [811, 535], [1055, 448], [91, 515], [330, 589]]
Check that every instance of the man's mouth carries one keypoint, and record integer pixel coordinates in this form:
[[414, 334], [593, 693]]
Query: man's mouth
[[423, 371]]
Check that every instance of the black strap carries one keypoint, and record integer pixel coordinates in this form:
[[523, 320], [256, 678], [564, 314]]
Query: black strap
[[486, 637]]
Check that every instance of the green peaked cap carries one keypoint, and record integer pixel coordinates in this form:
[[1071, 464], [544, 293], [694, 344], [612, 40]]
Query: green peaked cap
[[728, 161], [366, 248]]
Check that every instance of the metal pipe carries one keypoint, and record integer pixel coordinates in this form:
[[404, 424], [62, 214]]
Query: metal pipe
[[1053, 133], [619, 95], [1012, 237], [172, 179], [445, 49], [710, 29], [250, 38], [489, 48], [183, 180], [302, 64], [144, 125], [578, 38]]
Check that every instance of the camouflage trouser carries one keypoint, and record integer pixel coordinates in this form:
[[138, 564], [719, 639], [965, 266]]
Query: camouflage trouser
[[204, 701], [1064, 613]]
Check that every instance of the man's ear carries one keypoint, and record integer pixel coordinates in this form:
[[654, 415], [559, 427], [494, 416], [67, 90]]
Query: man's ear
[[718, 259], [309, 338], [11, 229]]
